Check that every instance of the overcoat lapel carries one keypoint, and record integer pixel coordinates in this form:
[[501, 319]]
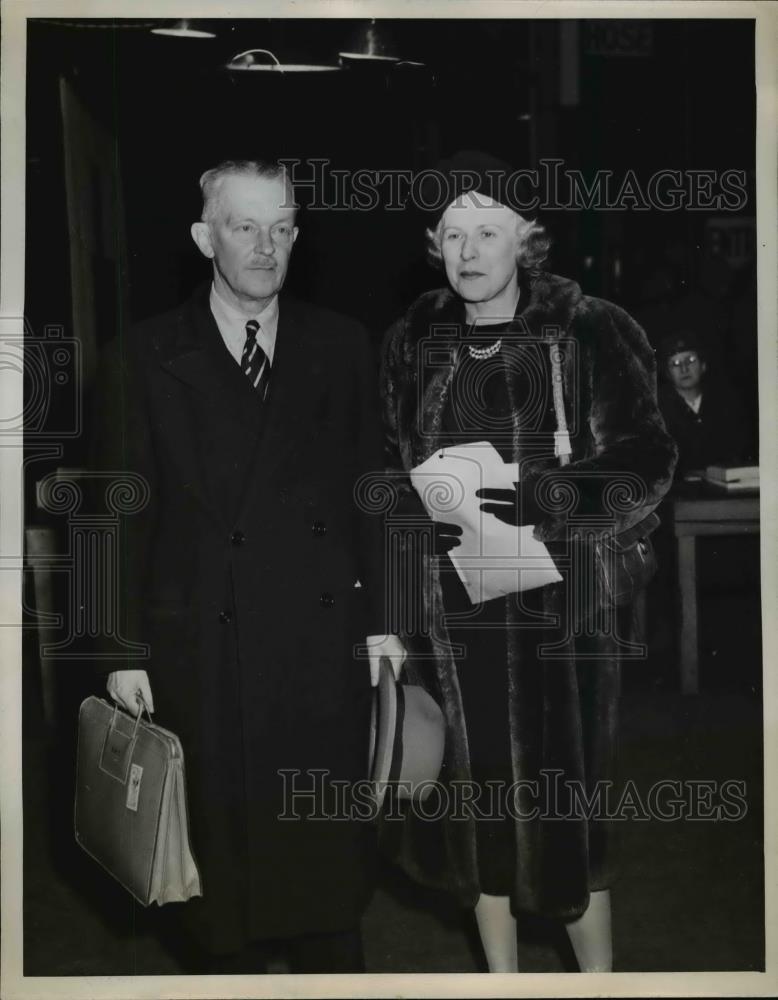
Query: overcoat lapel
[[196, 356], [297, 382]]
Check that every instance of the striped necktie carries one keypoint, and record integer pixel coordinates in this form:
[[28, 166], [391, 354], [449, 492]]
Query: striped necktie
[[254, 363]]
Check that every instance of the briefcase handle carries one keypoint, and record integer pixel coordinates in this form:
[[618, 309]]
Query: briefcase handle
[[119, 746], [138, 717]]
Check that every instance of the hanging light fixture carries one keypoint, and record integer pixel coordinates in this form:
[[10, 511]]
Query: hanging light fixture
[[247, 62], [372, 42], [182, 29]]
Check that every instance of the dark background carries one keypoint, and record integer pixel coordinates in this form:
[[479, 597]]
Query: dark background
[[681, 98], [651, 95]]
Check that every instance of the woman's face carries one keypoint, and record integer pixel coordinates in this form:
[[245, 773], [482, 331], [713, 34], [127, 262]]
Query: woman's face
[[686, 370], [479, 243]]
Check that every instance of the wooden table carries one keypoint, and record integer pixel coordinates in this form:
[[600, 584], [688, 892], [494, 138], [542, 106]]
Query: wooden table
[[700, 509]]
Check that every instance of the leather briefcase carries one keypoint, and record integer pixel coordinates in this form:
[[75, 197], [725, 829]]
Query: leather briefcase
[[130, 808]]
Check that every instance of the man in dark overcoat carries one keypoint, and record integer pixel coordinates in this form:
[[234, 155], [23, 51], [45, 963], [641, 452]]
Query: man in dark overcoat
[[253, 577]]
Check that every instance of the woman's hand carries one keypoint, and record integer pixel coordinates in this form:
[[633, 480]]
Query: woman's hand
[[446, 537], [516, 506]]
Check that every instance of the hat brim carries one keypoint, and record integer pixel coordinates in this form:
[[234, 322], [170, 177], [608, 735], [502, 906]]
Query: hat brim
[[383, 729]]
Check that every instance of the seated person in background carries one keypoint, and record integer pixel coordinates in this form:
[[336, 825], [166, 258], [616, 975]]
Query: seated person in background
[[701, 411]]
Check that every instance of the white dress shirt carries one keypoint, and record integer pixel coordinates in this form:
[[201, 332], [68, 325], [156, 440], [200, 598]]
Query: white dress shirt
[[232, 325]]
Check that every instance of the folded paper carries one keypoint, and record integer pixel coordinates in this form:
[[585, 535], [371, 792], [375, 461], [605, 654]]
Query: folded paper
[[493, 558]]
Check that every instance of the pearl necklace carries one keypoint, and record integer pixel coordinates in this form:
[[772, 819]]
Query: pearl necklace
[[481, 353]]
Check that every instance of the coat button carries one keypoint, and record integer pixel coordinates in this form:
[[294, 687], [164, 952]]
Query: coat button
[[319, 528], [237, 538], [225, 617], [326, 600]]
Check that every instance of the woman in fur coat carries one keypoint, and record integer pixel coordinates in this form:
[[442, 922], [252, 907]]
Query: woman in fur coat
[[529, 682]]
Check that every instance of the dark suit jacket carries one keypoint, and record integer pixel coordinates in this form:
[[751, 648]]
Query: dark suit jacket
[[242, 574]]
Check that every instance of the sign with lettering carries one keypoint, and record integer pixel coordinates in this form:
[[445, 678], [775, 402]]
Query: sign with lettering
[[618, 38]]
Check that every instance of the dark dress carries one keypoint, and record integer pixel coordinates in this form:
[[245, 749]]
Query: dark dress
[[478, 409]]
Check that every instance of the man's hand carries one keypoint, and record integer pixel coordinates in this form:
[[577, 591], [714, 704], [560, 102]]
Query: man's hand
[[389, 646], [124, 686]]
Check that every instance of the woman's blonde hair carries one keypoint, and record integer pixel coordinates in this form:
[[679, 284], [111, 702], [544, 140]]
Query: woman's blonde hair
[[534, 245]]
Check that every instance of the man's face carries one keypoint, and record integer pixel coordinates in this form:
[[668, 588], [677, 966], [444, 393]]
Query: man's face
[[686, 370], [479, 243], [249, 238]]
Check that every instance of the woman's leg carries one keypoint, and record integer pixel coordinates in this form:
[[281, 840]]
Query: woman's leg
[[497, 928], [590, 934]]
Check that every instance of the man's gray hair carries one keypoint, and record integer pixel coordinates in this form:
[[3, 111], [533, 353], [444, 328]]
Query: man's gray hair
[[212, 179]]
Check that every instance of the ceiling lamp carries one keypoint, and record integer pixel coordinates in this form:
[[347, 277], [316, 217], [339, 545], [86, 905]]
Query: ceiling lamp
[[182, 29], [372, 42], [247, 62]]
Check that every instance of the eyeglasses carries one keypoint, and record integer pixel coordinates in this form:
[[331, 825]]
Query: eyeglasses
[[688, 361]]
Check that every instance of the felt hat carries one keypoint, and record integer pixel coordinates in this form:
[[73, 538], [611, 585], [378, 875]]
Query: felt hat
[[681, 340], [407, 737], [477, 171]]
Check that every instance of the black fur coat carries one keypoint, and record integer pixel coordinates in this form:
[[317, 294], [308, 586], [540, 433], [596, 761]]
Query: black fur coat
[[562, 710]]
